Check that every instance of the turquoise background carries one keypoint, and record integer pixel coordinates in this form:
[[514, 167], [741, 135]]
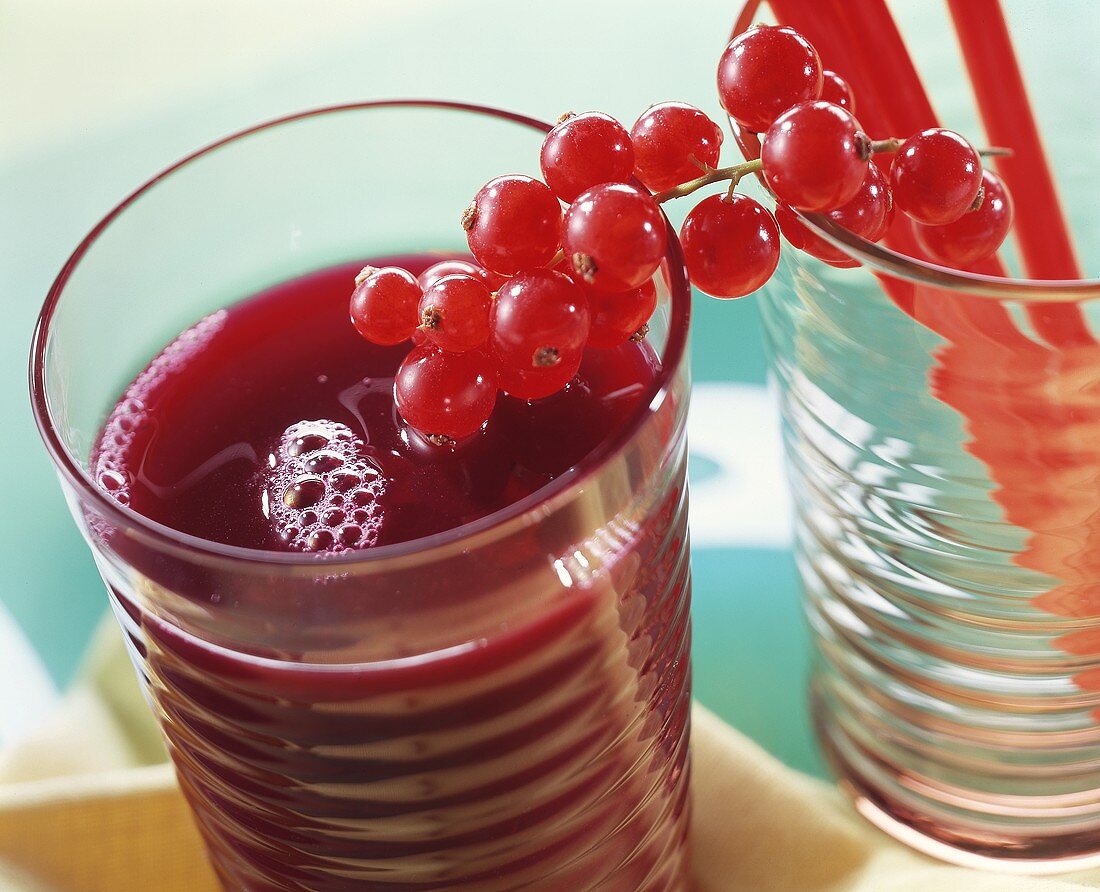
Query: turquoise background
[[750, 642]]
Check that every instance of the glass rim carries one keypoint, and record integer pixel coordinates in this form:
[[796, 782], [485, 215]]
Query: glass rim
[[912, 269], [923, 272], [529, 509]]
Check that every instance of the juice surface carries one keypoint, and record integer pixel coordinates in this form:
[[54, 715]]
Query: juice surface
[[196, 441]]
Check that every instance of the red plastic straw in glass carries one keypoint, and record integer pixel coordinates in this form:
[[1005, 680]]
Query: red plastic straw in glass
[[1046, 246]]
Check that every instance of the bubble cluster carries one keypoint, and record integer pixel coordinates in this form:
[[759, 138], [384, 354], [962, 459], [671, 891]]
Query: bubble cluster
[[117, 453], [323, 494]]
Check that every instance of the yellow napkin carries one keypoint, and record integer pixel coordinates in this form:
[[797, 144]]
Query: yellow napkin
[[89, 805]]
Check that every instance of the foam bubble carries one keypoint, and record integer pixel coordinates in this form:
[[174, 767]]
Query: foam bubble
[[321, 540], [345, 481], [305, 492], [320, 478], [324, 461], [309, 442], [350, 534], [113, 481]]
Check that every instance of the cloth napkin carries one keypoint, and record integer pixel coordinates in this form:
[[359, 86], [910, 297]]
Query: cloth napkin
[[90, 805]]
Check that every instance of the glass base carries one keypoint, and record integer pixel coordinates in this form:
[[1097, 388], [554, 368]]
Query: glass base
[[950, 829]]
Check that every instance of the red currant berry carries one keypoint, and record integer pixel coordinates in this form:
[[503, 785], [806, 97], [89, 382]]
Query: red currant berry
[[454, 313], [614, 237], [815, 156], [870, 212], [619, 316], [446, 395], [667, 137], [383, 305], [538, 329], [838, 91], [536, 384], [437, 271], [800, 236], [868, 215], [584, 151], [935, 176], [513, 223], [765, 71], [976, 234], [731, 245]]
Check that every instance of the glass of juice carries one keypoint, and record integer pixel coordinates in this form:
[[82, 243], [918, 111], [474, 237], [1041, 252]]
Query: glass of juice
[[941, 441], [378, 663]]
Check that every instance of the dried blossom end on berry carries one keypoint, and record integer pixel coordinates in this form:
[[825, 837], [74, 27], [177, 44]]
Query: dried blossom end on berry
[[430, 318], [546, 357], [469, 216], [584, 266]]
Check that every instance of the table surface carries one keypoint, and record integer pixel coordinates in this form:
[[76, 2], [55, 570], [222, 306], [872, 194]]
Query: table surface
[[108, 95]]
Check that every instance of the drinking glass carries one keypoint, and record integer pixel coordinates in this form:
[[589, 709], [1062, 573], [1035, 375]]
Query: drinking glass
[[504, 705], [941, 435]]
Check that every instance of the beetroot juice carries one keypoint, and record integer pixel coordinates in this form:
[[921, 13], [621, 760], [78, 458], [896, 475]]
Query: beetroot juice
[[387, 676]]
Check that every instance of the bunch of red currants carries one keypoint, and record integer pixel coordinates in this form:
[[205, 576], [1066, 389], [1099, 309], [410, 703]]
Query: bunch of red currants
[[546, 284], [815, 157]]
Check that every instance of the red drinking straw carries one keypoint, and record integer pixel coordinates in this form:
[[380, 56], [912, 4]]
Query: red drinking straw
[[1046, 247]]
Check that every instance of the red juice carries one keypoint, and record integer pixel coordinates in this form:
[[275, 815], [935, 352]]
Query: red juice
[[551, 754]]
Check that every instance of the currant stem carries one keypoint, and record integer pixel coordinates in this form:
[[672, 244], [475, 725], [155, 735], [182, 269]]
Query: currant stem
[[735, 172], [885, 145]]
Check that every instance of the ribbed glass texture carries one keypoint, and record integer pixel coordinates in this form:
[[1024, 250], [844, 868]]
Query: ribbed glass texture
[[944, 464]]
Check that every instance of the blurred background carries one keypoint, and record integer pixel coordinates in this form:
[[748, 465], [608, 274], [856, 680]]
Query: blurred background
[[98, 95]]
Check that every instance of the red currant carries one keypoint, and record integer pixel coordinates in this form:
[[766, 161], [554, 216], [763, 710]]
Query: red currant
[[731, 245], [535, 384], [614, 237], [815, 156], [539, 325], [447, 395], [800, 236], [838, 91], [584, 151], [383, 304], [667, 137], [868, 215], [935, 176], [619, 316], [513, 223], [765, 71], [976, 234], [437, 271], [454, 313]]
